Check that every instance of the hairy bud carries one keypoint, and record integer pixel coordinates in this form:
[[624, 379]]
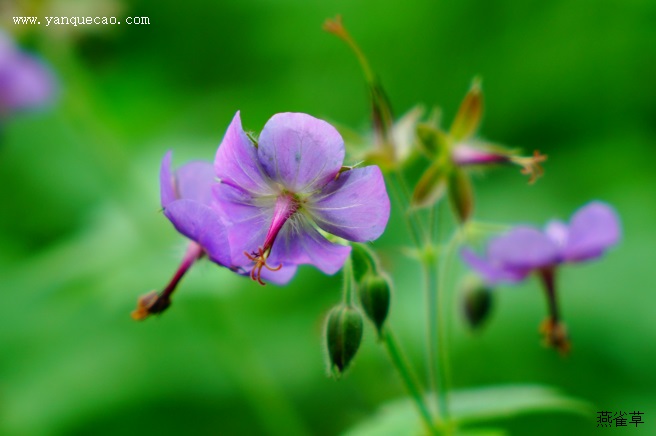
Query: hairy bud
[[477, 303], [343, 336], [375, 299]]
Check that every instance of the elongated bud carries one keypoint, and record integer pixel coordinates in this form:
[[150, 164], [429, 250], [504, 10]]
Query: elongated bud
[[343, 336], [477, 303], [469, 115], [375, 299], [461, 194]]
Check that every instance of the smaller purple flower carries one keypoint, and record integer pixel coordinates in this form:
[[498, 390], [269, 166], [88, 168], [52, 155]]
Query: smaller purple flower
[[281, 196], [25, 82], [186, 198], [514, 256]]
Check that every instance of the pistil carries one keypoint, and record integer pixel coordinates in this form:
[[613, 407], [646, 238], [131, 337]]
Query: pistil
[[286, 206]]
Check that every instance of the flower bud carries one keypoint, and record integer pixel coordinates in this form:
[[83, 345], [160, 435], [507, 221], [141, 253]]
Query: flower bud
[[461, 194], [363, 260], [375, 299], [343, 336], [477, 303]]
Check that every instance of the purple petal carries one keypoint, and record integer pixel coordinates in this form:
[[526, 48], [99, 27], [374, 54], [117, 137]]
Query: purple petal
[[280, 277], [166, 181], [236, 161], [200, 223], [247, 221], [355, 206], [24, 80], [194, 180], [523, 248], [593, 229], [558, 232], [492, 274], [299, 243], [300, 152]]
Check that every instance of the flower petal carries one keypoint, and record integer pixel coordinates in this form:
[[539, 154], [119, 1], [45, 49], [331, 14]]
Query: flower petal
[[300, 152], [492, 274], [247, 219], [523, 248], [166, 181], [593, 229], [194, 180], [558, 232], [300, 243], [355, 206], [236, 162], [200, 223]]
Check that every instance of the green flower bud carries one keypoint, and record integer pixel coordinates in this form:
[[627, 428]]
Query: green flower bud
[[375, 299], [477, 303], [363, 260], [343, 336]]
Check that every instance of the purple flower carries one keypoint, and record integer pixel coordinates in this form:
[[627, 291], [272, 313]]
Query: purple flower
[[25, 82], [512, 257], [278, 196], [186, 198]]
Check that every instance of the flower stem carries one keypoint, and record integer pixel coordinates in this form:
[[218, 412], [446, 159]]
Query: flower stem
[[409, 379], [348, 281]]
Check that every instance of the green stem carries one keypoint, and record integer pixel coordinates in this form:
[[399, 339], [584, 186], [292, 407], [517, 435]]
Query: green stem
[[409, 379], [348, 281], [402, 197]]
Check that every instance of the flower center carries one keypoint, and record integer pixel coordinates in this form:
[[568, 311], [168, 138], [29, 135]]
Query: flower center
[[286, 206]]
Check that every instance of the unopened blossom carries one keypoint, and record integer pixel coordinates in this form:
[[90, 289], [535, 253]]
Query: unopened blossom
[[281, 196], [25, 81], [512, 257]]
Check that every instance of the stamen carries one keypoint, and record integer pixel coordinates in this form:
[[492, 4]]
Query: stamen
[[260, 262], [531, 165]]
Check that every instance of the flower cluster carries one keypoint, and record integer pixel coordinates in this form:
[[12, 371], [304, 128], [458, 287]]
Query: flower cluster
[[264, 207]]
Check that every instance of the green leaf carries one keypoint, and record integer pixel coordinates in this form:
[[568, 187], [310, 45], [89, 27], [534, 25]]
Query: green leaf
[[432, 141], [473, 406], [431, 186], [469, 115], [461, 194]]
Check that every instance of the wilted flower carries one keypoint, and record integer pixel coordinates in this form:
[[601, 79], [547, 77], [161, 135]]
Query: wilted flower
[[512, 257], [25, 82], [277, 195], [453, 150]]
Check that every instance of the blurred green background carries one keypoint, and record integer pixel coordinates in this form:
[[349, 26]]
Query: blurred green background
[[81, 235]]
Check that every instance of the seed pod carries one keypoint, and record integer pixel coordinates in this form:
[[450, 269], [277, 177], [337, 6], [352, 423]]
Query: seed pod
[[477, 303], [343, 336], [375, 299]]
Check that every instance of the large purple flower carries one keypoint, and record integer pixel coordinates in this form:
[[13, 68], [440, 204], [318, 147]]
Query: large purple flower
[[512, 257], [25, 82], [279, 197]]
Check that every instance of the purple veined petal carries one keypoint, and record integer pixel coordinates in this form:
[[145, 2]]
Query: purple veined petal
[[247, 219], [355, 206], [523, 248], [280, 277], [166, 182], [200, 223], [492, 274], [300, 243], [300, 152], [593, 229], [194, 180], [558, 232], [236, 162]]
